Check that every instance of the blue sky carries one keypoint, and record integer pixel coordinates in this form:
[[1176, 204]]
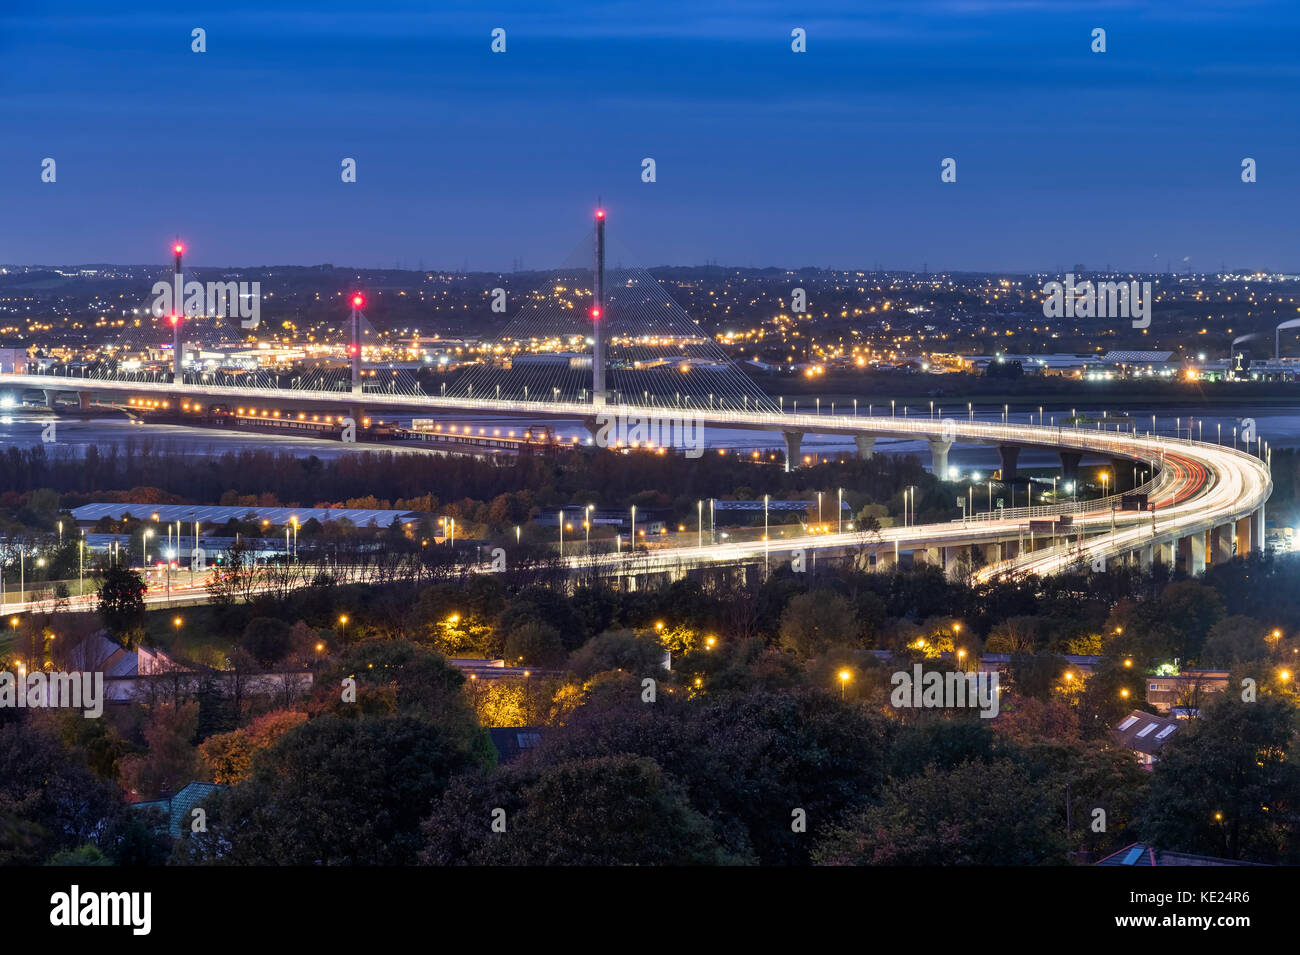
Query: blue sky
[[764, 157]]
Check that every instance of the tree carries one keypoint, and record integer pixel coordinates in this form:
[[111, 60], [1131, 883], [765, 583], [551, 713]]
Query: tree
[[229, 756], [334, 791], [1227, 785], [1235, 639], [49, 800], [816, 621], [120, 602], [746, 759], [618, 650], [395, 676], [536, 644], [975, 813], [170, 760], [267, 640], [610, 810]]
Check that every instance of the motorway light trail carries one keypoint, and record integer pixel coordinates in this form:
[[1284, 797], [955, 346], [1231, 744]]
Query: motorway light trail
[[1201, 485]]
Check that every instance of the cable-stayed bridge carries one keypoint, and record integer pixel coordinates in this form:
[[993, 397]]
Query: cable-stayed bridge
[[594, 344]]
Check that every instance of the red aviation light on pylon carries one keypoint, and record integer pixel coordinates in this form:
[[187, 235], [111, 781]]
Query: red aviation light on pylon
[[174, 319], [178, 248], [358, 300], [353, 349], [595, 312], [600, 213]]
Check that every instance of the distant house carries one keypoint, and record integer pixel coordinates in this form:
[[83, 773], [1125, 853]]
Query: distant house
[[1140, 854], [179, 808], [1001, 662], [483, 668], [1187, 689], [512, 741], [1146, 734], [129, 674]]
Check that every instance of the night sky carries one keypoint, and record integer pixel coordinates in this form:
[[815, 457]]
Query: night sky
[[1130, 158]]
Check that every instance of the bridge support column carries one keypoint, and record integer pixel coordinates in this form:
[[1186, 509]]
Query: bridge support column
[[1245, 535], [1192, 550], [952, 561], [1070, 466], [1008, 453], [939, 459], [1146, 557], [1121, 474], [1166, 554], [992, 553], [886, 560], [866, 444], [793, 439], [1221, 544], [1010, 549], [1260, 535], [49, 398], [83, 400]]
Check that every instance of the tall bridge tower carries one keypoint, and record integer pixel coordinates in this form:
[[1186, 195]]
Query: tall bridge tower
[[598, 318]]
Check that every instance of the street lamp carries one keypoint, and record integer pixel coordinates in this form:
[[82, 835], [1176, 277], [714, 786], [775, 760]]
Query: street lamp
[[767, 546], [343, 626], [839, 511], [844, 675]]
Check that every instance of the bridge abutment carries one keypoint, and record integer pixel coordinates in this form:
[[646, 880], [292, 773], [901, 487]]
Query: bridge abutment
[[866, 445]]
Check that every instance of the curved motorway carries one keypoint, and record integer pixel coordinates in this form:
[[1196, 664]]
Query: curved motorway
[[1200, 487]]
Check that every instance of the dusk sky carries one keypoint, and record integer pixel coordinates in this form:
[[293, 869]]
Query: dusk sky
[[764, 157]]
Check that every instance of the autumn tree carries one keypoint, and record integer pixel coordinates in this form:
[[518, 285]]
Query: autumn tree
[[120, 603]]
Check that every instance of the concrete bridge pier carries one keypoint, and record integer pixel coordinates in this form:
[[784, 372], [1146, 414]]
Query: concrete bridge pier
[[1245, 535], [1221, 544], [1070, 465], [1191, 551], [886, 560], [1146, 557], [1166, 554], [49, 398], [939, 458], [1121, 475], [866, 444], [953, 560], [1009, 453], [793, 439]]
